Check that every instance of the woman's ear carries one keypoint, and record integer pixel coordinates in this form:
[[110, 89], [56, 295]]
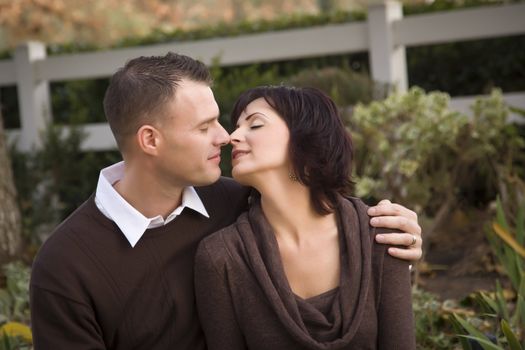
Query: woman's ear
[[149, 139]]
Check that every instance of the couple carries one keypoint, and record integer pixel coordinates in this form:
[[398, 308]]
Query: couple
[[299, 267]]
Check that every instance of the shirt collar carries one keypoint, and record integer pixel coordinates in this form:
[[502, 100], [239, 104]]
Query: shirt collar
[[130, 221]]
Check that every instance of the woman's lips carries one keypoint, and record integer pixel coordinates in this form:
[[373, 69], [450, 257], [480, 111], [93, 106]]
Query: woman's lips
[[238, 153]]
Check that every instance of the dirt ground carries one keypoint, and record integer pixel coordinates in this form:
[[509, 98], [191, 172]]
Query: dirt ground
[[458, 259]]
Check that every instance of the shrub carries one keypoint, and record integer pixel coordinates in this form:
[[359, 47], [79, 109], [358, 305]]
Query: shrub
[[14, 297], [55, 180], [433, 330], [413, 149]]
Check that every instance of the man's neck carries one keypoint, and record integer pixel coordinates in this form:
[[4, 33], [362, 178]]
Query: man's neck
[[147, 194]]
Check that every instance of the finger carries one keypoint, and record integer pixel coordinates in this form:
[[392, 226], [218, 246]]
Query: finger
[[397, 222], [391, 209], [384, 202], [412, 254], [402, 239]]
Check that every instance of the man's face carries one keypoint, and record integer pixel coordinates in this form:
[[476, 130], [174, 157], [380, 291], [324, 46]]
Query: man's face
[[192, 137]]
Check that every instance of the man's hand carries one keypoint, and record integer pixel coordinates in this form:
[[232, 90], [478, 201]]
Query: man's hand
[[394, 216]]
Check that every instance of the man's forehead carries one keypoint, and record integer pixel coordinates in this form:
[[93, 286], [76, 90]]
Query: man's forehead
[[194, 105], [189, 87]]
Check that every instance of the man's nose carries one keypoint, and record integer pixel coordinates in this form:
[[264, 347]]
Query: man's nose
[[222, 138]]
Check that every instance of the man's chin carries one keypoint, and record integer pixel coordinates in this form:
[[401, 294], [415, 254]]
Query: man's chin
[[209, 179]]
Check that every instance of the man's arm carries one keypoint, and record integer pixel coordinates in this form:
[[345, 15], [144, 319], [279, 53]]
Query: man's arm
[[58, 322], [61, 314], [395, 216]]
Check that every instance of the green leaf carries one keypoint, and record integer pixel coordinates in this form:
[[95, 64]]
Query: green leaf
[[459, 330], [475, 334], [488, 301], [520, 225], [508, 238], [500, 215], [520, 311], [485, 343], [6, 344], [511, 337], [502, 303]]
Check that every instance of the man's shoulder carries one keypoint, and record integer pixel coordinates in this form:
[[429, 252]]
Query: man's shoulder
[[69, 241], [73, 261], [224, 197], [85, 218]]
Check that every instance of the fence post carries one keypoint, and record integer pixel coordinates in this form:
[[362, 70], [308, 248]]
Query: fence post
[[387, 60], [33, 95]]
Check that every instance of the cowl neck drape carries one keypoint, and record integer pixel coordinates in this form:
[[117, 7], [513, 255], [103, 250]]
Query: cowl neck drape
[[335, 326]]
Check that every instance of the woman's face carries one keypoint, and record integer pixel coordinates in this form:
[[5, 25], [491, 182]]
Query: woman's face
[[260, 143]]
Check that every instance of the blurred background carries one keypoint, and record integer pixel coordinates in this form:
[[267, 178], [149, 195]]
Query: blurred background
[[433, 93], [105, 23]]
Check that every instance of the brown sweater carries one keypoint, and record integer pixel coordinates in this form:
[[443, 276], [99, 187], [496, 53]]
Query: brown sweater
[[91, 290], [245, 302]]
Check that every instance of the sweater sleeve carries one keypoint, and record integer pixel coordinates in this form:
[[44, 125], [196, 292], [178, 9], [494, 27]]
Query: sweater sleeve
[[61, 323], [395, 316], [215, 305]]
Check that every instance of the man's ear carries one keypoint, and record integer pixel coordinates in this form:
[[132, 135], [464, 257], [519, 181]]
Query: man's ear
[[149, 139]]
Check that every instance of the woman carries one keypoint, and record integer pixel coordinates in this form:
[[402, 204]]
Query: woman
[[300, 269]]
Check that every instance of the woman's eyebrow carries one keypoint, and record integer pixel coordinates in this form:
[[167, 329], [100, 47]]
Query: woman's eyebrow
[[254, 113], [251, 115]]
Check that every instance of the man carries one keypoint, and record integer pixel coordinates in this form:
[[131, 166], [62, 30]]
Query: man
[[118, 273]]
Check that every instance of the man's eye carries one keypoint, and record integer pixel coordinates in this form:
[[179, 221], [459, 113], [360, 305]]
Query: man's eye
[[204, 129]]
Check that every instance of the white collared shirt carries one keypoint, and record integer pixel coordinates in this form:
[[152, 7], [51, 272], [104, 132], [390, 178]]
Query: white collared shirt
[[130, 221]]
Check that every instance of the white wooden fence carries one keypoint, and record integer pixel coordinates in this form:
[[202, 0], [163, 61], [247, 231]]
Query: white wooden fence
[[385, 35]]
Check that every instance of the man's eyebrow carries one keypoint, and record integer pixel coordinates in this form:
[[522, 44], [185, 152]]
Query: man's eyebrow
[[209, 120]]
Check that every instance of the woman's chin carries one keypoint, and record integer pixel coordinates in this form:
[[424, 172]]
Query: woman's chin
[[242, 177]]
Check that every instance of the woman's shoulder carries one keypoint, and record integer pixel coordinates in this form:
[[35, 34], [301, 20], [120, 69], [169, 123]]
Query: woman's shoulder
[[361, 209], [360, 206], [221, 246]]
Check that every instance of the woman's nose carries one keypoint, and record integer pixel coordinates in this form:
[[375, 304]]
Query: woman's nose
[[235, 136]]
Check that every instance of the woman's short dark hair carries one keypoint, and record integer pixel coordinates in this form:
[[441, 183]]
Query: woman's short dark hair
[[320, 146]]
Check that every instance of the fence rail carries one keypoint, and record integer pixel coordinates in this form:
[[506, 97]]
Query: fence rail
[[384, 35]]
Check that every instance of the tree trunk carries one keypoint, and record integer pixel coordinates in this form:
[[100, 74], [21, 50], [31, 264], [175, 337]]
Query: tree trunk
[[10, 219]]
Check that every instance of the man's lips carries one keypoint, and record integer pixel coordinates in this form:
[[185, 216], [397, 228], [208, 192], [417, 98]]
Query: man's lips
[[215, 156], [238, 153]]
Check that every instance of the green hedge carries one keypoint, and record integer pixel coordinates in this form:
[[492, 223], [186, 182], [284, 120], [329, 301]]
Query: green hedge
[[469, 68]]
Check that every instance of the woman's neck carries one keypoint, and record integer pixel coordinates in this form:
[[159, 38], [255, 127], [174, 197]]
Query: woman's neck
[[289, 209]]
